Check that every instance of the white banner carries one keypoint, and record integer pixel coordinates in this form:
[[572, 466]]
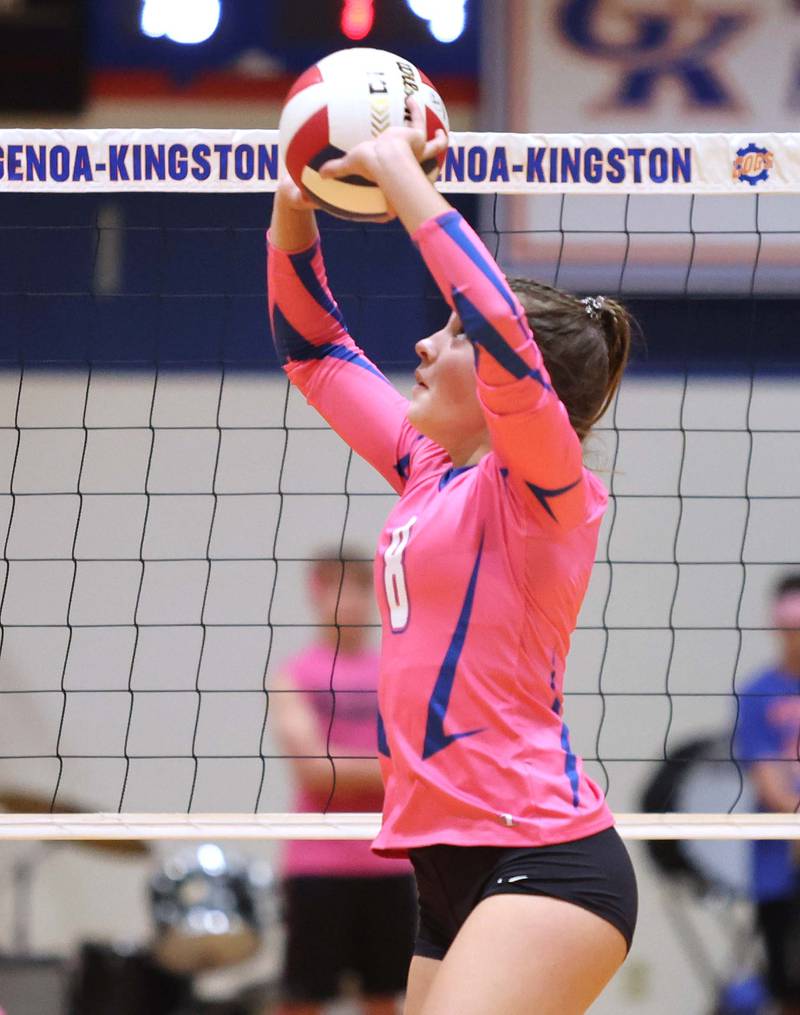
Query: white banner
[[222, 161]]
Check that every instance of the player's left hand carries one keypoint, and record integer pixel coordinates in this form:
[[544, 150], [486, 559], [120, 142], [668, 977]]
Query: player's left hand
[[366, 159]]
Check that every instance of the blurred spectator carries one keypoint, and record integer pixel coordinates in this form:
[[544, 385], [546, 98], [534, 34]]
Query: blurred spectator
[[348, 912], [768, 743]]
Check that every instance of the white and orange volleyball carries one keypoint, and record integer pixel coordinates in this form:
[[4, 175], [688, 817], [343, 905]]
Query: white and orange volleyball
[[346, 98]]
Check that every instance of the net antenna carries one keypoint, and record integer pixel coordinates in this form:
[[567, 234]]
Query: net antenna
[[164, 486]]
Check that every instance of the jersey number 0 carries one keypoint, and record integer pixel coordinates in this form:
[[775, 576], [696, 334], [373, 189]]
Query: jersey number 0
[[394, 576]]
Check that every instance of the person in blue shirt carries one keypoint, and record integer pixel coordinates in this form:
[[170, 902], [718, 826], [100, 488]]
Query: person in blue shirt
[[768, 746]]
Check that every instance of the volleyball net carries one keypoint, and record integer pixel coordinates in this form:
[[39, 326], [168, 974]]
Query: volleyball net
[[163, 490]]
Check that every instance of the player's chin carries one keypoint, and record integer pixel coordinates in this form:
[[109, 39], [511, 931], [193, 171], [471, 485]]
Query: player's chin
[[419, 409]]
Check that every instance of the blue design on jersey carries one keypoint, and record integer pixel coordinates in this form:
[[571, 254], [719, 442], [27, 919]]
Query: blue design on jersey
[[452, 223], [288, 342], [570, 764], [452, 473], [304, 269], [435, 737], [543, 495], [403, 466], [383, 743], [479, 330], [351, 356], [291, 345]]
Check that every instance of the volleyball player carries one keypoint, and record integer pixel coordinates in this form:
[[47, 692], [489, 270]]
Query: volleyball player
[[768, 743], [348, 912], [527, 895]]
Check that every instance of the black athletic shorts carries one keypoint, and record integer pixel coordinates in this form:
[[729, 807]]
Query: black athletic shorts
[[362, 926], [779, 920], [595, 873]]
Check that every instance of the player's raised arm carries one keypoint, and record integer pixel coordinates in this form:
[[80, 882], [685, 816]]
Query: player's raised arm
[[316, 350], [540, 395], [547, 363]]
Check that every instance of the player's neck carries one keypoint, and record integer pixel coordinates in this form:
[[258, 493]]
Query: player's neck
[[468, 454]]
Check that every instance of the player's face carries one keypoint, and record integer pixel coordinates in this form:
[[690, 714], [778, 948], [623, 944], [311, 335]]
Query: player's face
[[444, 403]]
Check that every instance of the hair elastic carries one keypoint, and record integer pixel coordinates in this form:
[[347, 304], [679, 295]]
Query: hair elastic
[[594, 305]]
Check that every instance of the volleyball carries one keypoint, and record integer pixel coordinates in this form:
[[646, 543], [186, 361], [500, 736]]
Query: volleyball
[[346, 98]]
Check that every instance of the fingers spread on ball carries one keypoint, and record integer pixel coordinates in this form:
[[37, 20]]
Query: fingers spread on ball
[[333, 105], [333, 168], [415, 111], [438, 144]]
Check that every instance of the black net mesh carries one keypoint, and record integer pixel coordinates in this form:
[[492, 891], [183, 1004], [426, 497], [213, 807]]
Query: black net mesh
[[163, 490]]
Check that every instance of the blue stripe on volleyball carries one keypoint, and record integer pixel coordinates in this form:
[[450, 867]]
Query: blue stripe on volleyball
[[357, 181], [303, 264], [332, 152], [479, 329]]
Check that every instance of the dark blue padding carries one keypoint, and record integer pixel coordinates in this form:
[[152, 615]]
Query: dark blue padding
[[380, 281]]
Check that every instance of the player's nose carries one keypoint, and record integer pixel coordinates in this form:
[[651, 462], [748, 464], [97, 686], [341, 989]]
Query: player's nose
[[426, 349]]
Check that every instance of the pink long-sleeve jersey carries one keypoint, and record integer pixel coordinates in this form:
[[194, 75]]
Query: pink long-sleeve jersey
[[480, 570]]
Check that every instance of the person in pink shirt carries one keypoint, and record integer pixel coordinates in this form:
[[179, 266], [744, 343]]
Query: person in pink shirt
[[527, 896], [348, 911]]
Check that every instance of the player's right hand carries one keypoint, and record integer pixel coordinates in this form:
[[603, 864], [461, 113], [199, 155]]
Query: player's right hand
[[292, 196]]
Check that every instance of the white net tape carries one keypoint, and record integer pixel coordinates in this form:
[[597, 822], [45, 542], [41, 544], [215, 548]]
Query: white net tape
[[228, 161], [355, 826]]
